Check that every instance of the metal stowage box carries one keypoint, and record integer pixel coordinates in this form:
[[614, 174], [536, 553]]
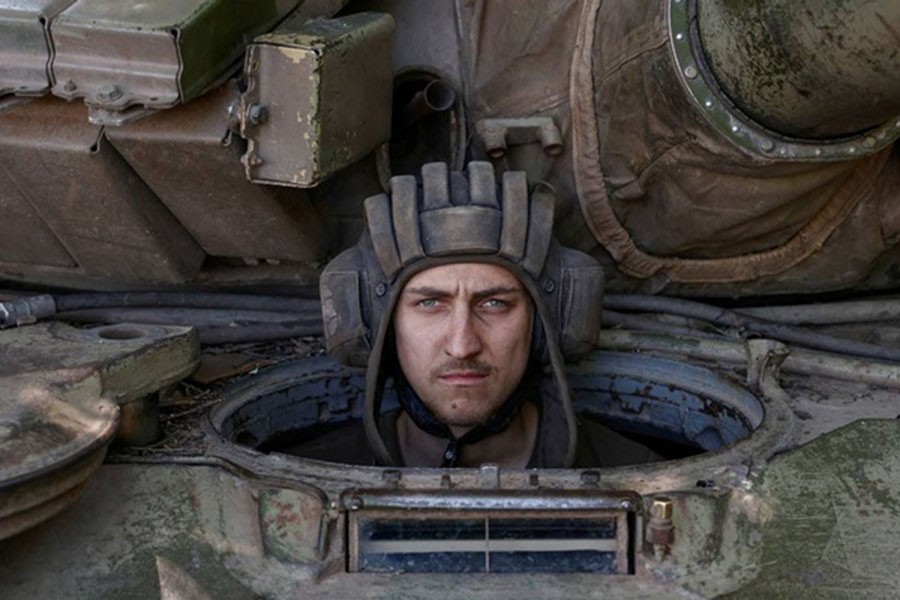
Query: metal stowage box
[[318, 98]]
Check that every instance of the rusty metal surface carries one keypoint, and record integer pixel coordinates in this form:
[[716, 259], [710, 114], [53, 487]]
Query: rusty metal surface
[[56, 166], [60, 392], [152, 54], [227, 215], [318, 98], [25, 48]]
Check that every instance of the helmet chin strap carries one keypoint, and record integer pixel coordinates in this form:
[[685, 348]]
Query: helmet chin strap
[[425, 420]]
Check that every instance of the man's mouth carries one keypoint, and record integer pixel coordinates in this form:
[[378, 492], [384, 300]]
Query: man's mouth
[[463, 377]]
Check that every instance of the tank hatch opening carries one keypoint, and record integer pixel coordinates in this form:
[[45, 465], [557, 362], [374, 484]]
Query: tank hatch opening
[[307, 407]]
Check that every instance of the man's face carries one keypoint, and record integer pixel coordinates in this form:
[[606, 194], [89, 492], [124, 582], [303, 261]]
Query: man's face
[[463, 335]]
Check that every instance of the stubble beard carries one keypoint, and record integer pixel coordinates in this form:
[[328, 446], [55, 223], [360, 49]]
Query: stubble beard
[[447, 407]]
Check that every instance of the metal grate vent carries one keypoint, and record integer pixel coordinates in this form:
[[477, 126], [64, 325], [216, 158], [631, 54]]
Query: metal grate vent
[[490, 534]]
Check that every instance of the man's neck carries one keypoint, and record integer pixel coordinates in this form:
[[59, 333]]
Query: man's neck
[[511, 448]]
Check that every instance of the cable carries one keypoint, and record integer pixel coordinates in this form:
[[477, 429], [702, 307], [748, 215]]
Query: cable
[[745, 325]]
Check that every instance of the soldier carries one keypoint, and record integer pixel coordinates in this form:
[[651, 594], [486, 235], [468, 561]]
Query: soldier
[[462, 307]]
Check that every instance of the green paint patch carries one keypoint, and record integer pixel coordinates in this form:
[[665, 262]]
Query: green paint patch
[[833, 530]]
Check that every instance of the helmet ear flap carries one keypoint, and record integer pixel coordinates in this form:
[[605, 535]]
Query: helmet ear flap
[[342, 288], [571, 287], [580, 303]]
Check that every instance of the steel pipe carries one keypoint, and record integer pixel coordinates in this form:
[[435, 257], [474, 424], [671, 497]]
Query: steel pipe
[[437, 96]]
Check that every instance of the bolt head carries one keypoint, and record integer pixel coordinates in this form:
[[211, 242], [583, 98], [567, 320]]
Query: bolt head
[[661, 508], [108, 93], [257, 114]]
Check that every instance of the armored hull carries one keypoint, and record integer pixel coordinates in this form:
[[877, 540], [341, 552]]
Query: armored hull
[[198, 151]]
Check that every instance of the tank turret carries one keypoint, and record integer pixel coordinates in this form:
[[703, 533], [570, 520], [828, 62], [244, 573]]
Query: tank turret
[[805, 68]]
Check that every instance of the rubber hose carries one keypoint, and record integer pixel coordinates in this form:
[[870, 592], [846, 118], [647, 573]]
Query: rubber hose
[[70, 302], [745, 324]]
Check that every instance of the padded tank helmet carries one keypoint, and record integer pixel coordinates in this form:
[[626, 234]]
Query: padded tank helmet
[[464, 217]]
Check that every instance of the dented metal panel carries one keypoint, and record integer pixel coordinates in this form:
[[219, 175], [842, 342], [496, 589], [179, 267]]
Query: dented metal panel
[[117, 55], [318, 98], [25, 48]]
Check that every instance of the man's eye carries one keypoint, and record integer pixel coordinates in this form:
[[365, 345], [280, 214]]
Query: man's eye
[[495, 303], [427, 303]]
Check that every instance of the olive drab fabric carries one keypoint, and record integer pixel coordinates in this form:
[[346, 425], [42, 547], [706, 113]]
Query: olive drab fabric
[[464, 217]]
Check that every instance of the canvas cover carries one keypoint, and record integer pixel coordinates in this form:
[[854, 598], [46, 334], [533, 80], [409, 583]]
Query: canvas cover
[[663, 195]]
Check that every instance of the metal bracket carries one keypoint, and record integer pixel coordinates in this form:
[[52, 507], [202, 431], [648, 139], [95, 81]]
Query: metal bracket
[[498, 134]]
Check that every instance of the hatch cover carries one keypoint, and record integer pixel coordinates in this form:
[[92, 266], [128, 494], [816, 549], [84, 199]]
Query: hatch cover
[[60, 393]]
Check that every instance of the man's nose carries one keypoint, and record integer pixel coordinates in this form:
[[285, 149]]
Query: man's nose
[[463, 340]]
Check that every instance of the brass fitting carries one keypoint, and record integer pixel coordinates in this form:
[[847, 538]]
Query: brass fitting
[[660, 533]]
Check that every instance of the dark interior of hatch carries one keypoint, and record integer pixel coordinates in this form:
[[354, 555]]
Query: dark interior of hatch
[[676, 409]]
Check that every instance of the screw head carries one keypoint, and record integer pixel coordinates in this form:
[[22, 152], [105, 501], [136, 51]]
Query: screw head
[[257, 114]]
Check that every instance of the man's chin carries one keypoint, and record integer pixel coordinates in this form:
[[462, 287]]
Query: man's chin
[[459, 419]]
